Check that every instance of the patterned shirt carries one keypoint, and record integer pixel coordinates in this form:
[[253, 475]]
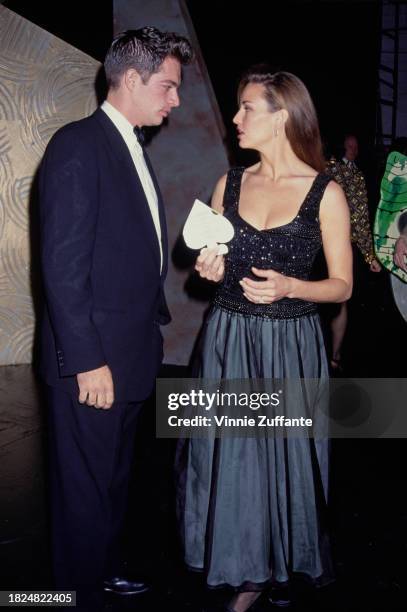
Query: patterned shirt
[[352, 181]]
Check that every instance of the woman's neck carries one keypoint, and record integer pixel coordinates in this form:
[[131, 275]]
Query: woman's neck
[[278, 160]]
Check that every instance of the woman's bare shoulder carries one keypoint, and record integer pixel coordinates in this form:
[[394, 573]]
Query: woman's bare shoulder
[[333, 191], [333, 201]]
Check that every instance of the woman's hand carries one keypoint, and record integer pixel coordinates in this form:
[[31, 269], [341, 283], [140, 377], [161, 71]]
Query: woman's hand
[[210, 265], [273, 288]]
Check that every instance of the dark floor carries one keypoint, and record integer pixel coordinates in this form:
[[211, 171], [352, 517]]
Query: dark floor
[[368, 481]]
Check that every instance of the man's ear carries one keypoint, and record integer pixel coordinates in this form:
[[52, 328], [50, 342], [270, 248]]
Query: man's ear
[[131, 79]]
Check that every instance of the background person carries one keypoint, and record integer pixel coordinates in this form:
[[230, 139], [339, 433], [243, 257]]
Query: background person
[[347, 174]]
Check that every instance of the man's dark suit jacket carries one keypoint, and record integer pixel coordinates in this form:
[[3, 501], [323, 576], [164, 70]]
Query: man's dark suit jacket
[[100, 262]]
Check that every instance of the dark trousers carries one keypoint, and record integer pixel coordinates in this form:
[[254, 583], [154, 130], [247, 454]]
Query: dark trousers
[[90, 459]]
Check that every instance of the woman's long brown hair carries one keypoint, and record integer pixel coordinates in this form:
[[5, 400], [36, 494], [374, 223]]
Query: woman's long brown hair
[[285, 90]]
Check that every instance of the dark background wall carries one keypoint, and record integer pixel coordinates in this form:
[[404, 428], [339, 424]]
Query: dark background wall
[[332, 46], [85, 25]]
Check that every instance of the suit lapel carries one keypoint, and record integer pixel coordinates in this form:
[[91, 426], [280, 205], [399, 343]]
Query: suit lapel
[[132, 181]]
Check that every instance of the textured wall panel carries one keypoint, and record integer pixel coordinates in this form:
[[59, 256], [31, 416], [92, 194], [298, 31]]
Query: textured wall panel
[[189, 156], [44, 83]]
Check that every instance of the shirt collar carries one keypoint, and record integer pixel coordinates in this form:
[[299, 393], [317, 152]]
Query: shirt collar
[[348, 162], [123, 125]]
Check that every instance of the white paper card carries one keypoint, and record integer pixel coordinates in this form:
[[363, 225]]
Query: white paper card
[[205, 227]]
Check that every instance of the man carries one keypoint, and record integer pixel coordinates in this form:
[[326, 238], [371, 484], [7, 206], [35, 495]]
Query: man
[[104, 261], [352, 181]]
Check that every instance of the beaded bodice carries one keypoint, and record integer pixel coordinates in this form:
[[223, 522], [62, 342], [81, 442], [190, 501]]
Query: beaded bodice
[[289, 249]]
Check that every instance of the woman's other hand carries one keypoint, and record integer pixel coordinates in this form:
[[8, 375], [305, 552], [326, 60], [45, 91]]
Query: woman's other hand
[[273, 288]]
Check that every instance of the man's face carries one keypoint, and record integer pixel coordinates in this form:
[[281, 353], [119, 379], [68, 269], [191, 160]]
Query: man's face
[[351, 148], [151, 102]]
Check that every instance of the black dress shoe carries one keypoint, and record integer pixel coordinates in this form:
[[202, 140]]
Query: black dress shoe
[[123, 586]]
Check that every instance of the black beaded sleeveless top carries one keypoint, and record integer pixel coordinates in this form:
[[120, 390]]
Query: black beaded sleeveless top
[[289, 249]]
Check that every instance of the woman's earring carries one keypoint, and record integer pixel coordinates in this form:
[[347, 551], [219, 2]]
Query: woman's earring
[[275, 132]]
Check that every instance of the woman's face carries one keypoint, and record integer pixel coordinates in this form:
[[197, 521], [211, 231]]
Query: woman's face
[[256, 124]]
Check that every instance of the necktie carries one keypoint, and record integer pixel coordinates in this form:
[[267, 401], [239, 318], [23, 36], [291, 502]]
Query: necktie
[[139, 132]]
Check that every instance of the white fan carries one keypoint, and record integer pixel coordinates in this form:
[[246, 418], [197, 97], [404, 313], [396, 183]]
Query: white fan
[[205, 227]]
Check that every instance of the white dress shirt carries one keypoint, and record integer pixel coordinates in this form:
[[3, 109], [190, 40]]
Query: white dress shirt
[[351, 164], [126, 130]]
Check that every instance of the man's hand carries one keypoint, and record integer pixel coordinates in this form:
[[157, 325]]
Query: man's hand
[[210, 265], [400, 253], [96, 388], [375, 266]]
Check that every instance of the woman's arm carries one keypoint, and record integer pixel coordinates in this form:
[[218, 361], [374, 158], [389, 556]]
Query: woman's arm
[[209, 264], [335, 228]]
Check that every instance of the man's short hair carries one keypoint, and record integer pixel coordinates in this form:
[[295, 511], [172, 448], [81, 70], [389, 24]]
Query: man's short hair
[[144, 50]]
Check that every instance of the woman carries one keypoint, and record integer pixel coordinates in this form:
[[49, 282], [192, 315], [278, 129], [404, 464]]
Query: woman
[[252, 509]]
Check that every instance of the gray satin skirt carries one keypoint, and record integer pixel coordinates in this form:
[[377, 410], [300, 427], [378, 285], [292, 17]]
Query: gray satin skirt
[[253, 510]]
